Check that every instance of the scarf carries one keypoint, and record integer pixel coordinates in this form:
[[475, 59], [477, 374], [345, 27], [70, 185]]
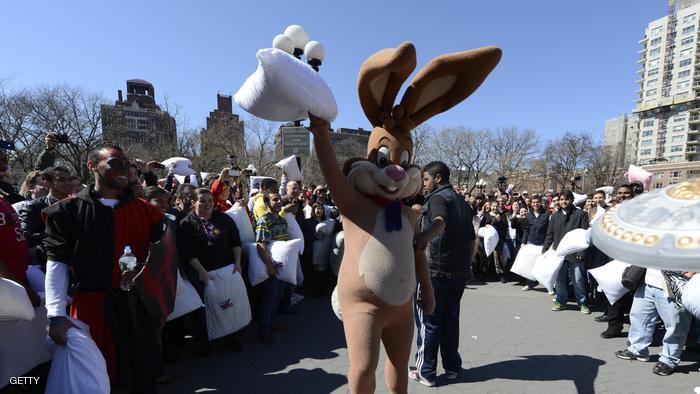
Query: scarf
[[392, 212]]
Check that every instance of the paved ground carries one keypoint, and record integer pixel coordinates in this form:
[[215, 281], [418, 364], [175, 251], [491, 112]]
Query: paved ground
[[510, 341]]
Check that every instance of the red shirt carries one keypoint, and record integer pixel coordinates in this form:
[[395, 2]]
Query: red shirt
[[14, 248]]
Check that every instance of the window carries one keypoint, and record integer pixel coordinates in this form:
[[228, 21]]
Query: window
[[676, 159], [655, 52], [678, 138], [676, 148], [678, 128], [682, 94], [647, 133], [683, 84], [687, 41], [684, 74], [686, 52], [657, 30], [693, 173], [652, 82], [648, 122], [686, 30], [656, 41], [645, 143], [658, 175], [645, 152], [679, 118], [654, 63], [653, 72], [651, 92], [685, 62], [687, 18], [658, 185]]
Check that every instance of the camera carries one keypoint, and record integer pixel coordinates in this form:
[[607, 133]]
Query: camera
[[158, 165], [62, 138], [7, 145]]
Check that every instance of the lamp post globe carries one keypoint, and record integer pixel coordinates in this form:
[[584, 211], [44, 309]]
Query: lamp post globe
[[299, 38], [284, 43], [314, 52]]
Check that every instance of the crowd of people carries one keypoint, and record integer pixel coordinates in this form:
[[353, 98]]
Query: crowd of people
[[76, 233]]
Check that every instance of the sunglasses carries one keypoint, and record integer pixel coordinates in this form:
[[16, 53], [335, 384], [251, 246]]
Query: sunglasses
[[117, 163]]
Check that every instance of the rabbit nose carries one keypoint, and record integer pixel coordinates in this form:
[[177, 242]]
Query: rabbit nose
[[397, 173]]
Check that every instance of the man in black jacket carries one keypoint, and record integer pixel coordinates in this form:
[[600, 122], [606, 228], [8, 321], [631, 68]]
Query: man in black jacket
[[57, 180], [535, 229], [566, 219]]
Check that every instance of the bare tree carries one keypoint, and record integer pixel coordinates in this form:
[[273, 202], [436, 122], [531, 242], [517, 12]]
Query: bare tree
[[260, 144], [17, 125], [467, 153], [606, 166], [421, 143], [513, 152], [567, 156]]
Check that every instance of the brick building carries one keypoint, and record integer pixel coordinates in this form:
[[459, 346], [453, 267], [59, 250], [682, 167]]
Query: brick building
[[223, 136], [138, 124]]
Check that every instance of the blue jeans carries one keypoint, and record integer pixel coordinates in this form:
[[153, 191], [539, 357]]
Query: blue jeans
[[272, 290], [577, 272], [650, 303], [441, 329]]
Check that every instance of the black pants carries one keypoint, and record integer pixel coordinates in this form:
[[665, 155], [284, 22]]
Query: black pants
[[617, 311]]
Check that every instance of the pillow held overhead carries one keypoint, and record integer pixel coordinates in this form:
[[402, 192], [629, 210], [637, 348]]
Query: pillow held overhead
[[284, 89]]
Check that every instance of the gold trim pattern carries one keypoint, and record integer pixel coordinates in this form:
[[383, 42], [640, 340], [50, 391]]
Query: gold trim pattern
[[689, 190]]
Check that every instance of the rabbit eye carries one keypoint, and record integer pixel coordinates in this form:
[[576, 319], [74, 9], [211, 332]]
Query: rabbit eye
[[404, 159], [383, 157]]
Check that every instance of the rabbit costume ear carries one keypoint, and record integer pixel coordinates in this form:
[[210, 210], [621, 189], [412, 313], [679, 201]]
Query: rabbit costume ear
[[380, 80], [447, 80]]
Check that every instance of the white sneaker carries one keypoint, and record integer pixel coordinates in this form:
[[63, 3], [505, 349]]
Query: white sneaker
[[526, 288], [415, 375], [451, 375]]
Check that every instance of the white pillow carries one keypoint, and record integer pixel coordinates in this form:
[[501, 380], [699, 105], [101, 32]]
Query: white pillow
[[286, 252], [178, 166], [227, 305], [337, 252], [691, 296], [284, 89], [245, 227], [186, 299], [490, 236], [525, 260], [78, 367], [326, 227], [257, 272], [609, 278], [580, 198], [335, 304], [294, 231], [290, 167], [546, 268], [574, 241], [15, 304]]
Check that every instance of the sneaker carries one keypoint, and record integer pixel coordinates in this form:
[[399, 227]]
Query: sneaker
[[585, 310], [627, 355], [526, 288], [557, 306], [602, 319], [415, 375], [551, 292], [662, 369], [451, 375], [610, 333]]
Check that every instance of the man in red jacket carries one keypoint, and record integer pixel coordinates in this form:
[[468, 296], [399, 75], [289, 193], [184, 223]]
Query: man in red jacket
[[86, 234]]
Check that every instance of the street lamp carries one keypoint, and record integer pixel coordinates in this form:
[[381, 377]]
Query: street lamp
[[295, 41], [481, 185]]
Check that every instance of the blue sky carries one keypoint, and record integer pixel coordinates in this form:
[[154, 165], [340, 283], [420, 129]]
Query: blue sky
[[567, 65]]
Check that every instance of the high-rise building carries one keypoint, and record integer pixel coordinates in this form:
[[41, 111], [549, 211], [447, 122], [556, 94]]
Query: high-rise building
[[138, 124], [668, 106], [621, 135], [223, 136]]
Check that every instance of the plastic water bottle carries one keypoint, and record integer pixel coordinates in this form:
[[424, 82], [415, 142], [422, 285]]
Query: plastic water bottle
[[127, 263]]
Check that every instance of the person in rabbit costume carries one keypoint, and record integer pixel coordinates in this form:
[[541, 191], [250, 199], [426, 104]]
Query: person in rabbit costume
[[378, 274]]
